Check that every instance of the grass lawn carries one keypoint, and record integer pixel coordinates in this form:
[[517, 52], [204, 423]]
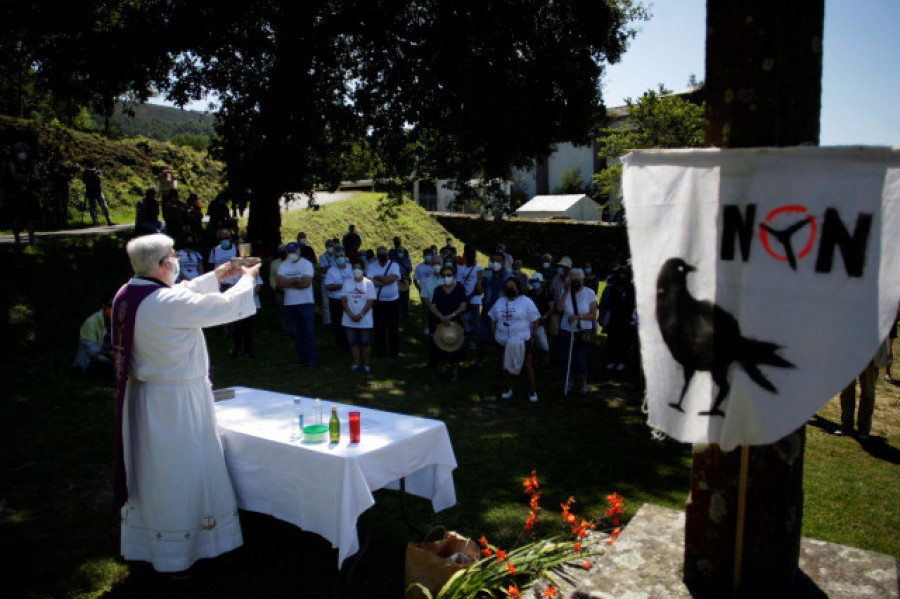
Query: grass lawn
[[60, 537]]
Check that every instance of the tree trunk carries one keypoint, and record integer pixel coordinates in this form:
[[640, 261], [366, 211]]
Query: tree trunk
[[763, 88]]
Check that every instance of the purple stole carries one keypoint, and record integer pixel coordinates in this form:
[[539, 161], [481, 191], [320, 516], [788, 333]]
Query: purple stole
[[125, 306]]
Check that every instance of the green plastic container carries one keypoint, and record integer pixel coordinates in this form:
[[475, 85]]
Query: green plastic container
[[315, 433]]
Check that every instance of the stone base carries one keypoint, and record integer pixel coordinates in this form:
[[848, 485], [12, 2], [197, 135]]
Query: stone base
[[647, 560]]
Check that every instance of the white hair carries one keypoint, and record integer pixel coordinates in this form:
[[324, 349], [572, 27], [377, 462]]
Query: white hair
[[576, 272], [146, 252]]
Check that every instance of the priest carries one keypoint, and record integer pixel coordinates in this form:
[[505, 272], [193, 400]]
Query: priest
[[172, 486]]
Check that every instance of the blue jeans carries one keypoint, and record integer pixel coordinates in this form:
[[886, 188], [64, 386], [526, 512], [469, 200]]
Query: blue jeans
[[302, 325], [579, 369]]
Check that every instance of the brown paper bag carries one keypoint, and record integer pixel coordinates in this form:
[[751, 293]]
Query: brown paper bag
[[429, 563]]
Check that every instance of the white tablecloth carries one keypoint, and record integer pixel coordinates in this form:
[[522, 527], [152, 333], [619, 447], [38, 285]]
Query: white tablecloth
[[324, 489]]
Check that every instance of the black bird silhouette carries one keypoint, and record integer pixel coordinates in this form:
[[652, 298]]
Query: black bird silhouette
[[784, 237], [703, 336]]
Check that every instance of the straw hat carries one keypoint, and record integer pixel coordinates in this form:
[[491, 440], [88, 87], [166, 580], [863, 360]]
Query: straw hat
[[449, 337]]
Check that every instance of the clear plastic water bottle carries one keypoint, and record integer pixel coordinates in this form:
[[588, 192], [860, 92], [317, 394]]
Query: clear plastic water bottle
[[317, 412], [297, 421]]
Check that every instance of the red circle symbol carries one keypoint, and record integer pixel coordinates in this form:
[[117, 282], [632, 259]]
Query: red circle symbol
[[789, 209]]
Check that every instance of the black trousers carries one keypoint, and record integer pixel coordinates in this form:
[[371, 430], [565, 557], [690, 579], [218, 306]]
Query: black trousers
[[243, 335], [336, 310], [386, 316]]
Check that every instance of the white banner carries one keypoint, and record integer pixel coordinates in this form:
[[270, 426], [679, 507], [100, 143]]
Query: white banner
[[766, 279]]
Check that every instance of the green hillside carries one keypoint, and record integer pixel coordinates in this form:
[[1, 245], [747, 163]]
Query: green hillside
[[159, 122]]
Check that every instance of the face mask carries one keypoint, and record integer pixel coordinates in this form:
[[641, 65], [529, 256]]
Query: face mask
[[510, 292], [426, 260], [576, 285], [382, 258], [588, 270], [536, 285], [496, 266], [302, 241], [448, 264], [545, 264], [400, 253], [177, 268], [437, 269], [357, 273], [329, 249], [22, 156], [560, 270], [340, 260], [293, 257], [226, 244], [448, 280]]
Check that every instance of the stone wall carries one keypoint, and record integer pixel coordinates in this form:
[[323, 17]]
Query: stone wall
[[604, 245]]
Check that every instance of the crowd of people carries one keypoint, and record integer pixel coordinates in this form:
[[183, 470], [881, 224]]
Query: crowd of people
[[543, 320]]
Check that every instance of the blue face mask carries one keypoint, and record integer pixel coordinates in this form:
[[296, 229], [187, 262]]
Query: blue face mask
[[226, 244], [535, 286], [587, 271], [340, 260], [559, 270]]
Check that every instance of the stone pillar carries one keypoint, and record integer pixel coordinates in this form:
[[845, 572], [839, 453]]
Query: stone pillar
[[763, 88]]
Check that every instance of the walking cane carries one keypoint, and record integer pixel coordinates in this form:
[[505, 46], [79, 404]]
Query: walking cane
[[569, 362]]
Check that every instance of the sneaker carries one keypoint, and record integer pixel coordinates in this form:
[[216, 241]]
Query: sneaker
[[507, 394], [843, 431], [355, 368], [367, 370], [532, 397], [620, 367], [610, 365]]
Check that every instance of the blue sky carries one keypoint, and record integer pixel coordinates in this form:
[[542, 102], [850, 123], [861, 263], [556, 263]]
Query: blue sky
[[860, 81]]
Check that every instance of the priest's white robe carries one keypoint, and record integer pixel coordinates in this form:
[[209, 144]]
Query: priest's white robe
[[181, 505]]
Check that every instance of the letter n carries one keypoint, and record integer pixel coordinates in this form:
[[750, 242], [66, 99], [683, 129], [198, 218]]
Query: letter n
[[853, 249], [737, 228]]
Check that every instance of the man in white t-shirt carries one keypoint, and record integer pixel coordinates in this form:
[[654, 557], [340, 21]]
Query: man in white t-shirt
[[190, 259], [295, 276], [385, 273], [221, 254], [357, 300], [326, 261], [333, 283], [424, 271]]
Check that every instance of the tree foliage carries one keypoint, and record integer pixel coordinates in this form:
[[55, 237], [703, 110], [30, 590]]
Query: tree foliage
[[656, 120], [458, 89]]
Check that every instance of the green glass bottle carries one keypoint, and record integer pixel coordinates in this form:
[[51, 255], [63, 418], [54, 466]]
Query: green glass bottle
[[334, 426]]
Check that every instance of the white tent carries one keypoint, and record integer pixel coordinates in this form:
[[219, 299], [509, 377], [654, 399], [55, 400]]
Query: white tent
[[572, 206]]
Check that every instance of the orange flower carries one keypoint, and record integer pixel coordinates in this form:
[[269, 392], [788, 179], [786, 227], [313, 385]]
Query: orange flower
[[531, 482], [511, 567], [551, 592], [501, 555], [577, 546], [586, 565], [513, 592], [483, 541], [486, 552]]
